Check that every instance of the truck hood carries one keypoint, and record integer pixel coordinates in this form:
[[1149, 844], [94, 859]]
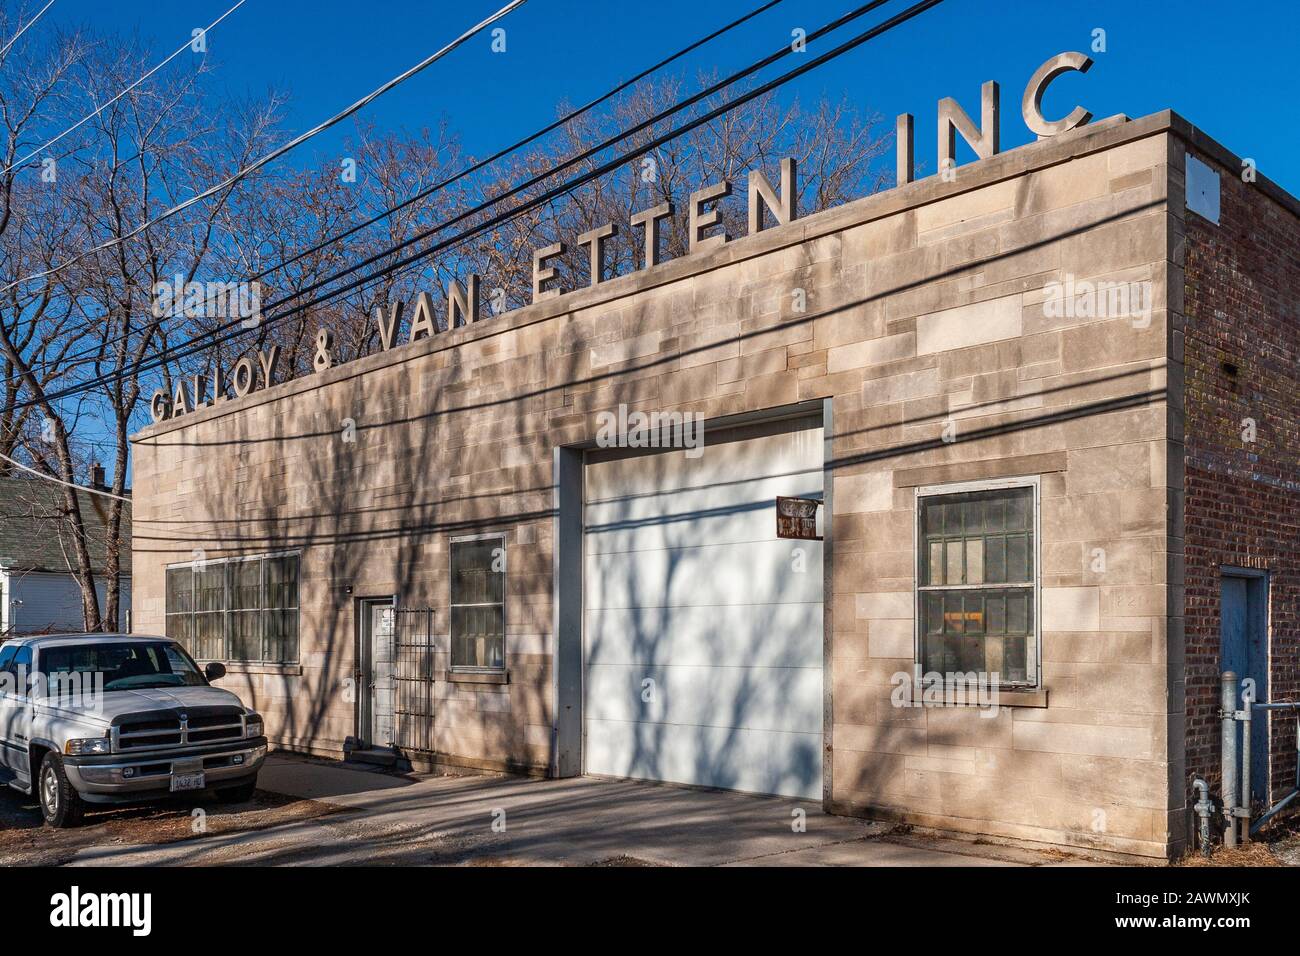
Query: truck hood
[[116, 702]]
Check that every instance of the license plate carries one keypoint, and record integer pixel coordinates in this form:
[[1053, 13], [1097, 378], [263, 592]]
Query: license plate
[[187, 781]]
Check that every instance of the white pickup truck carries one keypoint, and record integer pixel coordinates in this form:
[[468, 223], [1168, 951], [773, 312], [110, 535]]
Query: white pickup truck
[[117, 718]]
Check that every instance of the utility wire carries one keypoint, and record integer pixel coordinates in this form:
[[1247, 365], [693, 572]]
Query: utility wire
[[436, 187], [275, 153], [233, 329], [89, 116], [784, 51], [515, 190], [573, 114], [14, 38], [65, 484]]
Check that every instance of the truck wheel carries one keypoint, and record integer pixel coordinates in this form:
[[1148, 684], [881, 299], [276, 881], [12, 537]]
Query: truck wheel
[[60, 804], [240, 794]]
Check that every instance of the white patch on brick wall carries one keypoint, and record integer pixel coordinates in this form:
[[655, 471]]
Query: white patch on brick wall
[[1202, 189]]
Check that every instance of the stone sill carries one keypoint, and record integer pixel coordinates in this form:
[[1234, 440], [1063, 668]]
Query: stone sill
[[252, 667], [1005, 698], [476, 677]]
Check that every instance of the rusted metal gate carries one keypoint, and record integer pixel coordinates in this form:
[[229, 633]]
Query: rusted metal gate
[[413, 677]]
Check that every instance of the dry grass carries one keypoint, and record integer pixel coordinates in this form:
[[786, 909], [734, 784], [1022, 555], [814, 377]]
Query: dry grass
[[624, 860], [1247, 854]]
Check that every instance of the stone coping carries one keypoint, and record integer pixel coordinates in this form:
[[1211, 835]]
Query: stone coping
[[1095, 137]]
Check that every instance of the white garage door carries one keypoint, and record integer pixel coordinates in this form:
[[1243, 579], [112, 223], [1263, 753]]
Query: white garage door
[[703, 630]]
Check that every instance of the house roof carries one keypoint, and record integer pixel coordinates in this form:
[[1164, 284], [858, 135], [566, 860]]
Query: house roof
[[36, 533]]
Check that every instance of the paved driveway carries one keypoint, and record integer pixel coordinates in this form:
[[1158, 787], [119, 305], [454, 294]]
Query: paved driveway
[[379, 818]]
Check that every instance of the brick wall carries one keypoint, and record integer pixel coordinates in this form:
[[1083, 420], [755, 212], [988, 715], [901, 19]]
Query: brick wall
[[1242, 505]]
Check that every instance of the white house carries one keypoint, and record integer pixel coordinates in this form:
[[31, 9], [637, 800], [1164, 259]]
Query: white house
[[39, 592]]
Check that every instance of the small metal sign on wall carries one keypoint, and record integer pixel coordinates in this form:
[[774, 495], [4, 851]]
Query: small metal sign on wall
[[797, 518]]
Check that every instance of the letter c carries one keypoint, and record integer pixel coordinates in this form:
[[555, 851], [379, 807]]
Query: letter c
[[1031, 107]]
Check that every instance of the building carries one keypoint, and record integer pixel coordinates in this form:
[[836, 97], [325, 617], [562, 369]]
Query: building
[[39, 591], [1048, 402]]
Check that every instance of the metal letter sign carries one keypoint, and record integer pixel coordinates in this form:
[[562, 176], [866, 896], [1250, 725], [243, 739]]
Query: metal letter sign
[[463, 302], [797, 518]]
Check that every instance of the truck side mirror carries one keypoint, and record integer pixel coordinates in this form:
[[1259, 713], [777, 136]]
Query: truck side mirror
[[214, 671]]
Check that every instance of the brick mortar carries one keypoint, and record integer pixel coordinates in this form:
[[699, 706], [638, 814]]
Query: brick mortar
[[1242, 287]]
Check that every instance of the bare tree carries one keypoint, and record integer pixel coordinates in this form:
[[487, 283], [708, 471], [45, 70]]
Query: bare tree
[[36, 334], [96, 314], [153, 147], [838, 153], [97, 320]]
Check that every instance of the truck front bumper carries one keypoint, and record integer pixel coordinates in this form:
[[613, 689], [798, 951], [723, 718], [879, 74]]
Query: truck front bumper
[[122, 778]]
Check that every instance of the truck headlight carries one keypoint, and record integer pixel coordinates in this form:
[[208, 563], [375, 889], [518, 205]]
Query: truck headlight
[[253, 726], [87, 745]]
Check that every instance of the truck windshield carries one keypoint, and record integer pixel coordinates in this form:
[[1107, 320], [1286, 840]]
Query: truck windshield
[[126, 665]]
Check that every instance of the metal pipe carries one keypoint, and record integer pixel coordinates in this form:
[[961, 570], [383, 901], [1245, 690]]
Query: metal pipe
[[1278, 808], [1203, 807], [1228, 755], [1285, 801], [1247, 698]]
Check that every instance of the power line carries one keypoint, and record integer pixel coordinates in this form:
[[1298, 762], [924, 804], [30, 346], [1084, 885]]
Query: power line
[[24, 29], [232, 329], [437, 187], [197, 344], [89, 116], [573, 114], [785, 50], [277, 152], [65, 484]]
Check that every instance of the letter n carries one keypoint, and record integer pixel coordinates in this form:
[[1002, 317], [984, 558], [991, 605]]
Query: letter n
[[953, 120], [462, 303], [762, 194]]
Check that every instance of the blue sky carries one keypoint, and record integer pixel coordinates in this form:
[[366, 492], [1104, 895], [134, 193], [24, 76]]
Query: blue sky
[[1227, 68]]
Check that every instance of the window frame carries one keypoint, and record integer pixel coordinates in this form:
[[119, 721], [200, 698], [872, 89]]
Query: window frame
[[453, 667], [6, 664], [1033, 648], [227, 611], [23, 691]]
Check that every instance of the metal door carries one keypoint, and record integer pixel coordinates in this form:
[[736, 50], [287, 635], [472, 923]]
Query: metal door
[[377, 672], [1243, 645], [703, 631]]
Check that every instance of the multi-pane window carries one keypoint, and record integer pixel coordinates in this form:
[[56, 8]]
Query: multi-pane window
[[976, 591], [208, 632], [241, 609], [478, 603]]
